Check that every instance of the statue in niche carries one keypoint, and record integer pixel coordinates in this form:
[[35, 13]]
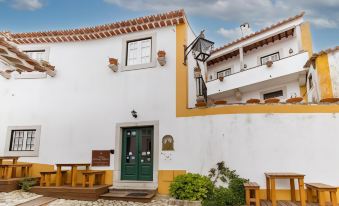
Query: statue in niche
[[167, 143]]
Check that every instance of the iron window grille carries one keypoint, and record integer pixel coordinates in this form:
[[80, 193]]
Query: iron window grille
[[139, 51], [22, 140], [274, 94], [201, 88], [224, 73]]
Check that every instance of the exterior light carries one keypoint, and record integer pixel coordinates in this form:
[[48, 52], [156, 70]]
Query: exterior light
[[201, 48], [134, 113], [290, 51]]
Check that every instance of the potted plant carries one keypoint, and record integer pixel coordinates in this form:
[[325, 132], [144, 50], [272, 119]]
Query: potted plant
[[221, 78], [269, 63], [113, 64], [220, 102], [272, 100], [253, 101], [162, 57], [294, 100], [329, 100]]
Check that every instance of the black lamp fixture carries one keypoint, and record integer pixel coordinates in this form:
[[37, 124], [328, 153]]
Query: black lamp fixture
[[201, 48], [134, 113]]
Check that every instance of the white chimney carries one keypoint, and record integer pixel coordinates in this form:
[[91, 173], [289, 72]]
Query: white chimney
[[245, 29]]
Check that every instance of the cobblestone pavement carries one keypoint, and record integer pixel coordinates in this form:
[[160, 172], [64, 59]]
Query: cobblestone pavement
[[100, 202], [16, 197]]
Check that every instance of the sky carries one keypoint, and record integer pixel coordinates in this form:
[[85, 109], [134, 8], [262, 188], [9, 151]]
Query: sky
[[219, 18]]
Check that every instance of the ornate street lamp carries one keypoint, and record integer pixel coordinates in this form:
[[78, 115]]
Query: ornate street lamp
[[201, 48]]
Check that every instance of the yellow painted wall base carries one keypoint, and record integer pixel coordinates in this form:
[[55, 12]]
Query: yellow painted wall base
[[284, 194], [165, 177]]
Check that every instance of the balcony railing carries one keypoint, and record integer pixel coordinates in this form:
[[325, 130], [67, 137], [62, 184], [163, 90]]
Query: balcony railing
[[285, 66], [201, 87]]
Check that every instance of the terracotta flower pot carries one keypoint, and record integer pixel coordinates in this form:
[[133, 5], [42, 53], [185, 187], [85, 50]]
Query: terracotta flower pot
[[253, 101], [272, 100], [201, 104], [221, 78], [197, 72], [330, 100], [220, 102], [269, 63], [161, 53], [294, 100], [113, 61]]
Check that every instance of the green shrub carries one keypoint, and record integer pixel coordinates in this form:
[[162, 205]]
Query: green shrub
[[191, 187], [27, 183], [221, 196]]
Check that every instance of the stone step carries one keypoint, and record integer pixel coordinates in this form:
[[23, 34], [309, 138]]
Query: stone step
[[40, 201], [129, 195]]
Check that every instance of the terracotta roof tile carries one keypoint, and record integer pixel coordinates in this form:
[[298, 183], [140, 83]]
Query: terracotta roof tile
[[259, 32], [101, 31]]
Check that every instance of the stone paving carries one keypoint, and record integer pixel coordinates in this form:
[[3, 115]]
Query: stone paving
[[100, 202], [16, 197]]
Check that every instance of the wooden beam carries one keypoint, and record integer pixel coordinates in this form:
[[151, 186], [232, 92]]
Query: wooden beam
[[5, 74]]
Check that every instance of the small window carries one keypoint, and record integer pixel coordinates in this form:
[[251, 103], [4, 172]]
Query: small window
[[310, 82], [275, 94], [139, 52], [272, 57], [23, 141], [224, 73], [37, 55]]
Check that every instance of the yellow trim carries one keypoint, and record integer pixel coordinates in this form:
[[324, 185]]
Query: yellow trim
[[303, 93], [165, 177], [182, 89], [324, 76], [306, 38]]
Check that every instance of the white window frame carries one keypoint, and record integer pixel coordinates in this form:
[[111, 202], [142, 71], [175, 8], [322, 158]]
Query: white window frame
[[125, 41], [34, 153]]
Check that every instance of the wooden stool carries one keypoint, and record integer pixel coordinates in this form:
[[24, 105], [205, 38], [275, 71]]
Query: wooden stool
[[45, 179], [252, 187], [89, 178], [321, 188]]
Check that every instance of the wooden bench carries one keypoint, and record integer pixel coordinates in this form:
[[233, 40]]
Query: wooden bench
[[91, 177], [320, 189], [252, 193], [6, 174], [46, 177]]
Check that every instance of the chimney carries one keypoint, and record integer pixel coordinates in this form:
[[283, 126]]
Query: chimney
[[245, 29]]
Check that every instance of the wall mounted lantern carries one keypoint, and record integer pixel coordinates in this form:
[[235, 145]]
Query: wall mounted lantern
[[134, 113], [201, 48]]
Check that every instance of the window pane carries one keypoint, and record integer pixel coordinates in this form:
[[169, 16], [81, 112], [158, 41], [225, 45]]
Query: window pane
[[274, 94], [22, 140], [36, 54], [139, 52]]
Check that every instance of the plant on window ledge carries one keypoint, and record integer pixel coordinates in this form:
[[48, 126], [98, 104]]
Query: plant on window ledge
[[269, 63], [221, 78], [162, 57], [113, 64]]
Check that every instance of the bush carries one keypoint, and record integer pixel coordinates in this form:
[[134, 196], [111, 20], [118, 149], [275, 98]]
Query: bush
[[233, 195], [27, 183], [191, 187]]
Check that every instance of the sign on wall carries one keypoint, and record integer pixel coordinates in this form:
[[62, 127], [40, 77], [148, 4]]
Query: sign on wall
[[101, 158]]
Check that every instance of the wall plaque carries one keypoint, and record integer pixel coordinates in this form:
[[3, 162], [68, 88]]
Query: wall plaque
[[167, 143], [101, 158]]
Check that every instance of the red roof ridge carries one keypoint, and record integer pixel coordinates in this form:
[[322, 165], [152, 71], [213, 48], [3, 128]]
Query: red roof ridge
[[279, 23], [102, 31]]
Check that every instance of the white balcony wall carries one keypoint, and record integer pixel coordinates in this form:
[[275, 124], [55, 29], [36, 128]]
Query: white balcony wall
[[290, 66], [252, 58], [333, 60]]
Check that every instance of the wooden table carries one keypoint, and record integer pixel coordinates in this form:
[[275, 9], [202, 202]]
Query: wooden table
[[271, 190], [14, 161], [74, 170]]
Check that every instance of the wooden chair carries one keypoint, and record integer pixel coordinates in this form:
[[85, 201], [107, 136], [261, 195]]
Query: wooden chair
[[252, 193], [45, 179], [91, 177], [320, 189]]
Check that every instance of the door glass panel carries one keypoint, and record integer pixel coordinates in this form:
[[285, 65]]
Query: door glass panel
[[146, 146], [131, 147]]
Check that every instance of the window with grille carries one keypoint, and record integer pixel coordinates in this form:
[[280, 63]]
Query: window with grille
[[271, 57], [37, 54], [310, 82], [224, 73], [22, 140], [274, 94], [139, 52]]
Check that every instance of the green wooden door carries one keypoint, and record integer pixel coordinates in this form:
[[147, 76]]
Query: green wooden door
[[137, 154]]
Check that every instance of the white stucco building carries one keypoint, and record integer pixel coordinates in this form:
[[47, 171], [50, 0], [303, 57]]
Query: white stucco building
[[60, 111]]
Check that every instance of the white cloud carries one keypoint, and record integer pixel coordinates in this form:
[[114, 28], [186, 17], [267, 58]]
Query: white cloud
[[29, 5], [232, 34], [323, 14]]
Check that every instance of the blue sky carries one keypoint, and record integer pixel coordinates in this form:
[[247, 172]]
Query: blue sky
[[220, 18]]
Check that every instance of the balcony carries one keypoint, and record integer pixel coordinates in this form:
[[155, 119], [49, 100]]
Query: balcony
[[283, 70]]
